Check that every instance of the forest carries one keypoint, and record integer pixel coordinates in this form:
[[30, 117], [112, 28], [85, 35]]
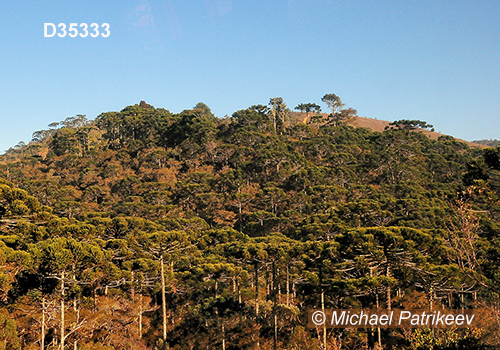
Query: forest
[[146, 229]]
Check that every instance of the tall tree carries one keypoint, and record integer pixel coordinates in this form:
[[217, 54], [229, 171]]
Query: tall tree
[[333, 102], [279, 114], [166, 248], [308, 108], [338, 116]]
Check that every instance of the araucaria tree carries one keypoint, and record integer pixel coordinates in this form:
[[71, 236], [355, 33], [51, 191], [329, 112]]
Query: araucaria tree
[[279, 114], [338, 116], [308, 108]]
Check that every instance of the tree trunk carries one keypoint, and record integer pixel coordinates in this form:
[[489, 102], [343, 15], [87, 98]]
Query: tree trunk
[[324, 323], [388, 274], [431, 298], [62, 311], [275, 316], [223, 337], [163, 302], [256, 289], [377, 304], [268, 283], [42, 337], [287, 285], [240, 209], [278, 285], [132, 290], [140, 316], [75, 343], [389, 302], [239, 291], [378, 328]]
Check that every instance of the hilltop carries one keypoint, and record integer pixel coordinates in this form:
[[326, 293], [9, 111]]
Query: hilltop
[[381, 125]]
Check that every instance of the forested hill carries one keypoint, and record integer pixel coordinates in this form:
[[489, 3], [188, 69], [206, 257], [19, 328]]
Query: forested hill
[[488, 143], [243, 217]]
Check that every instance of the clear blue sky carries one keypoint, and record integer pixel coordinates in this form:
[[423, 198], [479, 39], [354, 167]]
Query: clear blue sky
[[437, 61]]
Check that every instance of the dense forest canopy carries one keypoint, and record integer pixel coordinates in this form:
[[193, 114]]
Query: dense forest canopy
[[147, 229]]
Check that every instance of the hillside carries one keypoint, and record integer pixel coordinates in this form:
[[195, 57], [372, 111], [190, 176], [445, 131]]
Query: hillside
[[156, 230], [489, 143], [380, 125]]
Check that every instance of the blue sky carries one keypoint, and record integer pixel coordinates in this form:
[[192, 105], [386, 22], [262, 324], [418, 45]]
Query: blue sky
[[437, 61]]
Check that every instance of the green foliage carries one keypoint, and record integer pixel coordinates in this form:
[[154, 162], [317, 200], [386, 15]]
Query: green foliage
[[492, 157], [427, 339], [240, 212], [9, 338], [334, 102], [308, 107], [405, 124]]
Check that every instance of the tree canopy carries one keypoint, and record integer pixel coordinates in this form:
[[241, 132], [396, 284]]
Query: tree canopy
[[148, 229]]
